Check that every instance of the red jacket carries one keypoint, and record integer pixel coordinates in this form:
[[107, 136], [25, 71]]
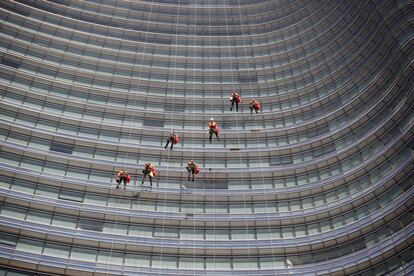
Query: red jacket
[[236, 96]]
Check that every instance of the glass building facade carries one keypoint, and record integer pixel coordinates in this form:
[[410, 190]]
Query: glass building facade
[[319, 182]]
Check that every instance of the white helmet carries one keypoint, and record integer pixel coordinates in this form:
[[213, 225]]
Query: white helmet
[[211, 119]]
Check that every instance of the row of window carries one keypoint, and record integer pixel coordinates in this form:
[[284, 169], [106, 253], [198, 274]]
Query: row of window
[[126, 83], [241, 77], [118, 119], [400, 263], [266, 50], [160, 23], [327, 88], [38, 90], [207, 65], [60, 91], [204, 65], [262, 160], [38, 86], [200, 79], [252, 124], [250, 233], [281, 206], [147, 139], [167, 30], [256, 8], [165, 261], [171, 6], [217, 163], [90, 116], [132, 158], [43, 71]]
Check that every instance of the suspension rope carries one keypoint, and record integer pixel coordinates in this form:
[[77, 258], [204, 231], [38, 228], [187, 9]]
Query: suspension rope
[[213, 106], [171, 129], [237, 131], [193, 126], [130, 128], [257, 137]]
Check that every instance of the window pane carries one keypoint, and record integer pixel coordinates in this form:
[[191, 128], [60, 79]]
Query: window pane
[[56, 250], [81, 254], [29, 246]]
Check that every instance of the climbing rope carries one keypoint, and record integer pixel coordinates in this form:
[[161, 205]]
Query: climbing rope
[[171, 129], [131, 126], [237, 127], [257, 136]]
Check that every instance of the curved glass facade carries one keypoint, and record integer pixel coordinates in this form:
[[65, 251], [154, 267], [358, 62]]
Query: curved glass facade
[[319, 182]]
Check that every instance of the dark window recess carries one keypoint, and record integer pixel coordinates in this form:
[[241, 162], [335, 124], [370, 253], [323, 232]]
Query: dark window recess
[[336, 103], [247, 79], [175, 107], [325, 150], [313, 133], [218, 184], [358, 245], [153, 123], [90, 225], [323, 129], [282, 160], [7, 240], [72, 196], [182, 2], [42, 6], [158, 40], [61, 148], [18, 10], [11, 63]]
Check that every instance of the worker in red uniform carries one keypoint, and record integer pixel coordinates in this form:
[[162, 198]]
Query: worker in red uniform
[[253, 104], [213, 128], [235, 98], [173, 139], [149, 169], [192, 169], [122, 176]]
